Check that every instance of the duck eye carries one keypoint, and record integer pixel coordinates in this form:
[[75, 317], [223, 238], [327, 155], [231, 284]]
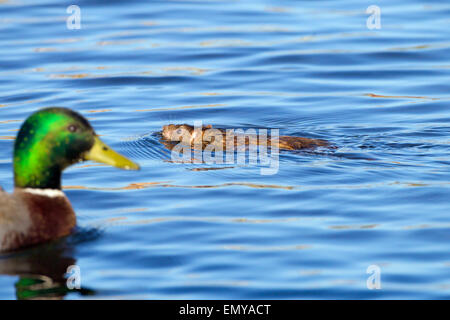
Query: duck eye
[[72, 128]]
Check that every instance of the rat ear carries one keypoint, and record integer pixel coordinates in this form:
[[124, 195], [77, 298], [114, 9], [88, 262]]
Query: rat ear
[[207, 126]]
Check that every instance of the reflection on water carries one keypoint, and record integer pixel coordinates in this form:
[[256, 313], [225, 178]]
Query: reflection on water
[[41, 271]]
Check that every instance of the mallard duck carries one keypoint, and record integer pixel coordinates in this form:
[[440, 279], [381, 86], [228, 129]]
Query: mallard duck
[[48, 141]]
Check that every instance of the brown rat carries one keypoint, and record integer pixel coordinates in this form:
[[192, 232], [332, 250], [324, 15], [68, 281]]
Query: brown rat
[[205, 136]]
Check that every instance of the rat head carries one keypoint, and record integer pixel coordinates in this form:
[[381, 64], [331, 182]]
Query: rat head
[[52, 139], [178, 132], [183, 132]]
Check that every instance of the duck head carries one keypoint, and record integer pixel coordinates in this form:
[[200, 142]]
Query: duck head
[[52, 139]]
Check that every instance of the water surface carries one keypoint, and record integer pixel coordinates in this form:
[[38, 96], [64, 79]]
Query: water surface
[[308, 68]]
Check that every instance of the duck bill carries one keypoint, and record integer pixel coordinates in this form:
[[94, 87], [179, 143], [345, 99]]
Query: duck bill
[[100, 152]]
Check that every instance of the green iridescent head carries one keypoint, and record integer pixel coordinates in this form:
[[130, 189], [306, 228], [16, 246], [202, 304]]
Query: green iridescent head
[[52, 139]]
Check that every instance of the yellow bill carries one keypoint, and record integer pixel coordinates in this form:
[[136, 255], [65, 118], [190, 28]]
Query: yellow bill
[[100, 152]]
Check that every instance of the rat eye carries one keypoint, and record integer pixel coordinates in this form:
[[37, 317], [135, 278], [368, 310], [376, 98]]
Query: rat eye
[[72, 128]]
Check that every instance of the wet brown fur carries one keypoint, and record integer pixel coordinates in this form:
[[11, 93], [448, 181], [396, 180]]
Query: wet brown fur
[[285, 142]]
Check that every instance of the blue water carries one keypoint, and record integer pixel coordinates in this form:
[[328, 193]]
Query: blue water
[[308, 68]]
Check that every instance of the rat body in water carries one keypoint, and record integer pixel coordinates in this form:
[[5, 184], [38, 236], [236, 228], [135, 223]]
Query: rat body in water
[[208, 135]]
